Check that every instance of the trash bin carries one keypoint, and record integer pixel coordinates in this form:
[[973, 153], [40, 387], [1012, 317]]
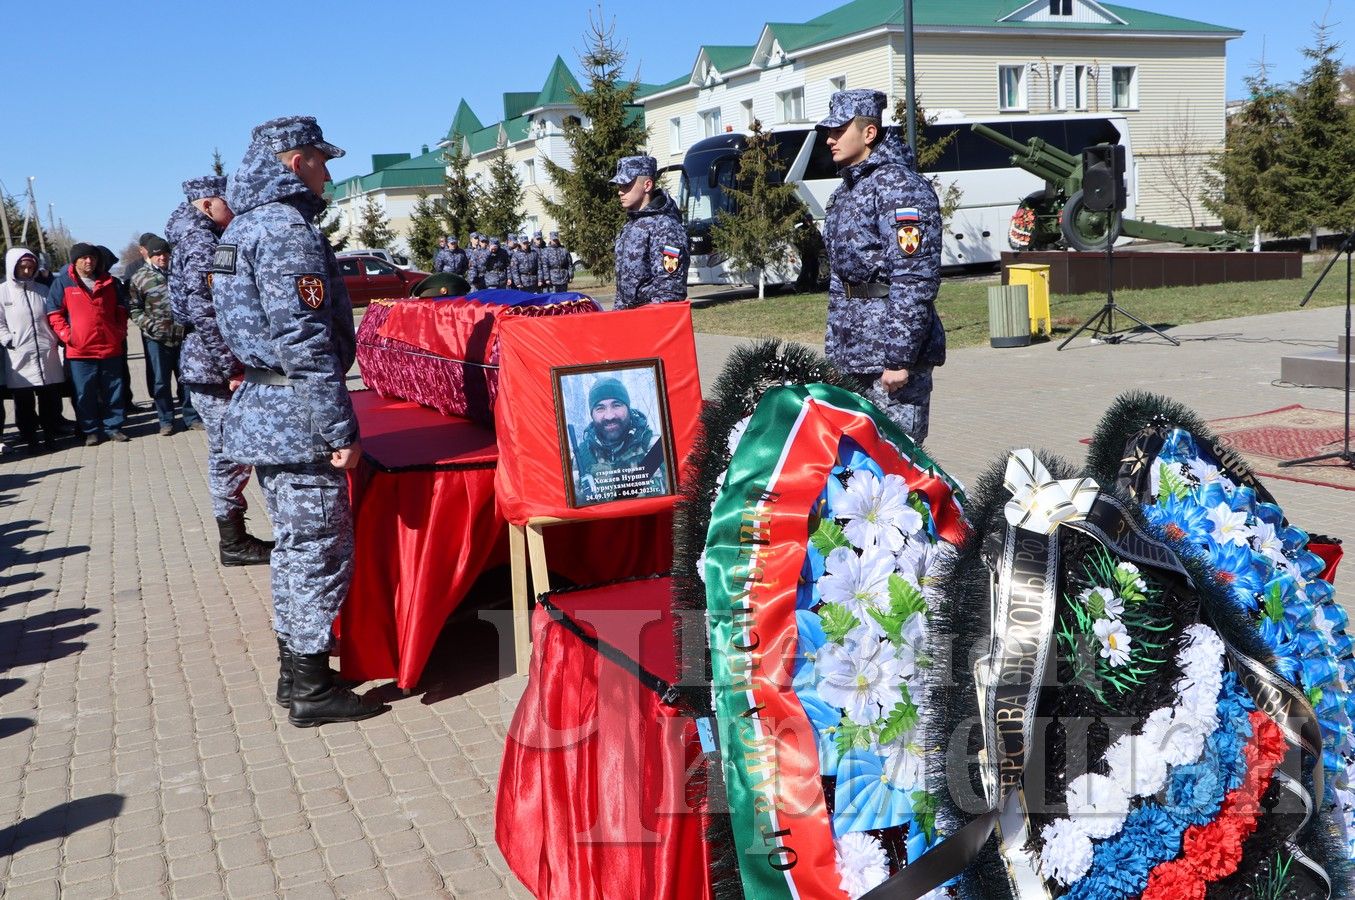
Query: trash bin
[[1036, 279], [1008, 316]]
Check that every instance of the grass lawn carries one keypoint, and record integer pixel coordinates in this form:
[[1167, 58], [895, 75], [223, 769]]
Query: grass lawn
[[964, 307]]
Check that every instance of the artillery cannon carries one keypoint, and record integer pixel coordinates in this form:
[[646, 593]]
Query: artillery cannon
[[1058, 214]]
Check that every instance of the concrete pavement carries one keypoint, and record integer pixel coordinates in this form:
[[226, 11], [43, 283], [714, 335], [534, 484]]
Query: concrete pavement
[[141, 753]]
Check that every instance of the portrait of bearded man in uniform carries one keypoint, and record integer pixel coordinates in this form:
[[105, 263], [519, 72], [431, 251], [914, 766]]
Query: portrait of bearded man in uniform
[[614, 433]]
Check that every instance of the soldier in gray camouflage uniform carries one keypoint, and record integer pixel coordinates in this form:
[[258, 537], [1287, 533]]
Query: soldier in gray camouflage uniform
[[524, 271], [456, 262], [440, 257], [883, 237], [651, 250], [494, 266], [475, 261], [207, 366], [555, 265], [285, 313]]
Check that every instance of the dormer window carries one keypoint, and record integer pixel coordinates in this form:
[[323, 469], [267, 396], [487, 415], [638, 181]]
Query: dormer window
[[1060, 7]]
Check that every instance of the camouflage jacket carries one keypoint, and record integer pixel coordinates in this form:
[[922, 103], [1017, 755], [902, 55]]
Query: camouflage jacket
[[555, 265], [884, 226], [601, 468], [148, 300], [283, 307], [205, 357], [494, 268], [525, 269], [651, 255]]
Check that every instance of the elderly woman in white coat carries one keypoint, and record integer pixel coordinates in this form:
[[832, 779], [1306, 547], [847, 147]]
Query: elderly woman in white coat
[[33, 371]]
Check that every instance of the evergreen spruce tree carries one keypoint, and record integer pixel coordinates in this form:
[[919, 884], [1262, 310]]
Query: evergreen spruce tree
[[424, 231], [14, 215], [1240, 186], [1316, 171], [928, 151], [329, 227], [587, 211], [459, 192], [374, 229], [758, 233], [500, 205], [218, 167]]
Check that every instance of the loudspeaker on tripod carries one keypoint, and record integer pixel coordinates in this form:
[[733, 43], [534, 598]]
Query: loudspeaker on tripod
[[1103, 186]]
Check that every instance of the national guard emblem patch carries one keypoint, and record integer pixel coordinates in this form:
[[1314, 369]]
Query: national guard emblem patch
[[910, 239], [672, 256], [311, 290]]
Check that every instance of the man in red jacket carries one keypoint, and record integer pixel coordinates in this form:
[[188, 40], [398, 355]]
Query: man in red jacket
[[88, 311]]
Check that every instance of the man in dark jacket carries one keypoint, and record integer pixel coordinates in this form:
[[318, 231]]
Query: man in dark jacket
[[207, 365], [87, 309], [285, 313], [651, 250]]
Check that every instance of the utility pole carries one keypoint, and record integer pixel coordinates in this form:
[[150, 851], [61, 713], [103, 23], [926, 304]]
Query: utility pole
[[908, 69]]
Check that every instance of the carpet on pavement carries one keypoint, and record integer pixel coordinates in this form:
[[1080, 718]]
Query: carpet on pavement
[[1290, 432]]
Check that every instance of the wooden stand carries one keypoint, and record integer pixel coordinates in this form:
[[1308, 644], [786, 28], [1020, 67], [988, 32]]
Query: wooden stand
[[527, 546]]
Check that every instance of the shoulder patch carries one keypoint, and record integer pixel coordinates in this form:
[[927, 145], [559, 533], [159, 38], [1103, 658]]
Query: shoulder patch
[[223, 259], [311, 290], [672, 258], [907, 214]]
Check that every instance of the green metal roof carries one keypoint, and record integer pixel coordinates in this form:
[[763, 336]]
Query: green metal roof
[[795, 34], [425, 170], [516, 129], [644, 90], [728, 57], [464, 122], [516, 103], [560, 83], [386, 160], [486, 138], [863, 15]]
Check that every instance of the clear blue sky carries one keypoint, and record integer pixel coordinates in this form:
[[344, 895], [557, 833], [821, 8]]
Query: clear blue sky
[[123, 102]]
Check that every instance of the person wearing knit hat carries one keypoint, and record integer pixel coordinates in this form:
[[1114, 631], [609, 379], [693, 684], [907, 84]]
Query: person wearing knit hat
[[206, 364]]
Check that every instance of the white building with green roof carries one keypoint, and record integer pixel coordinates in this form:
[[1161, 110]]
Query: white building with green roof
[[989, 58]]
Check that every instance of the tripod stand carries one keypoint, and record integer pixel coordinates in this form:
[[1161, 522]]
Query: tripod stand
[[1102, 322], [1344, 454]]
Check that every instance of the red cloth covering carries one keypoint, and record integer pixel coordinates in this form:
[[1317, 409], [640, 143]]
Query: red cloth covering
[[594, 785], [427, 526], [442, 352], [531, 480], [1331, 552]]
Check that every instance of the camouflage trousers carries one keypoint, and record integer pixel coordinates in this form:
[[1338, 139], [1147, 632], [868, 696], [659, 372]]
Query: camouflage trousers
[[909, 407], [226, 480], [313, 554]]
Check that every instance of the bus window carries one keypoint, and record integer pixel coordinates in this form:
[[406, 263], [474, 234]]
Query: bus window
[[1086, 132], [977, 152], [821, 163], [950, 160]]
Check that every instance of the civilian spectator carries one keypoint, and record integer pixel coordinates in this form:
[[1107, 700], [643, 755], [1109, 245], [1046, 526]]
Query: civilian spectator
[[33, 371], [160, 334], [88, 311]]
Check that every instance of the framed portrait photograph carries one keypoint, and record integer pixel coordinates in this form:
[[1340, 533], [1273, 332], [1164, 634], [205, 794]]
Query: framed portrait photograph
[[616, 440]]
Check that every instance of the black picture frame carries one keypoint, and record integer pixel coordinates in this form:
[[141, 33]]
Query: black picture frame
[[645, 464]]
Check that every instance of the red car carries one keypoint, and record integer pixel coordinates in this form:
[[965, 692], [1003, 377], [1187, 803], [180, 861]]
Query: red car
[[370, 278]]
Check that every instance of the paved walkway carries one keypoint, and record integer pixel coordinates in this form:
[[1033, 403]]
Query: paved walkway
[[141, 753]]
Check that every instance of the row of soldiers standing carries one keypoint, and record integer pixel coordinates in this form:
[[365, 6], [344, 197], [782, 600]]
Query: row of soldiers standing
[[527, 264]]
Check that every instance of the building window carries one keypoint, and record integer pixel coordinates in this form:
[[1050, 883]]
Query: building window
[[1011, 87], [1124, 89], [675, 134], [837, 84], [529, 171], [747, 107], [1060, 7], [1079, 87], [710, 123], [1058, 96], [792, 105]]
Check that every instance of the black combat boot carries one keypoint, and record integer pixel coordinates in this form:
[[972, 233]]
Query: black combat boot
[[318, 698], [238, 546], [285, 658]]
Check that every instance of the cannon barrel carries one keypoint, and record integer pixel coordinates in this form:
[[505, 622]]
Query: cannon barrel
[[1038, 157]]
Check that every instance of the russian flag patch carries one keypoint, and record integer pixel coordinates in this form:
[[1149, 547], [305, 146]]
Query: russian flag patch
[[907, 214], [670, 250]]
